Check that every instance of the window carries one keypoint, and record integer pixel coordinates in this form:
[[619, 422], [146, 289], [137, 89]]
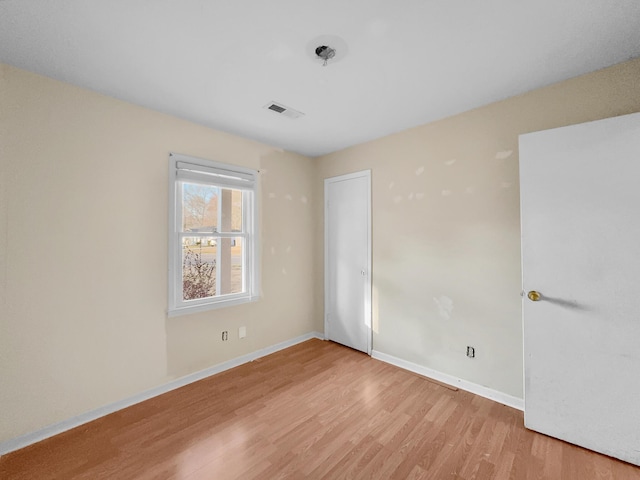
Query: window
[[212, 235]]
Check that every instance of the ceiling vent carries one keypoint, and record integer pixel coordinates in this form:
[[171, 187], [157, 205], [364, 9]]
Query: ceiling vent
[[283, 110]]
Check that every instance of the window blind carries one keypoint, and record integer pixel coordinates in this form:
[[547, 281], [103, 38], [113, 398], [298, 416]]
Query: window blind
[[189, 169]]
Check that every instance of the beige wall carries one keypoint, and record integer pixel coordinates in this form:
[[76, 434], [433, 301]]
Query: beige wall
[[83, 252], [83, 242], [446, 246]]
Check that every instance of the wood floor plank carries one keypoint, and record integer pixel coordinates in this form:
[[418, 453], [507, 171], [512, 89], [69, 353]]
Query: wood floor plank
[[315, 410]]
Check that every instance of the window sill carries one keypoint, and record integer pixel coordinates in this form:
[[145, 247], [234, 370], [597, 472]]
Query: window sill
[[203, 307]]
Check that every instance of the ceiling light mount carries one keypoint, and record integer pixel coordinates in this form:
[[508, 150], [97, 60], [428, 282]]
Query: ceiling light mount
[[327, 48], [325, 53]]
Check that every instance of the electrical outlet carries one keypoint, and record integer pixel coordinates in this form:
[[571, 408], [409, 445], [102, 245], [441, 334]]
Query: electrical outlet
[[242, 332], [225, 336], [471, 352]]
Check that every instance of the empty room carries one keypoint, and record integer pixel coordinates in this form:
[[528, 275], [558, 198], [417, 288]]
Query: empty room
[[319, 239]]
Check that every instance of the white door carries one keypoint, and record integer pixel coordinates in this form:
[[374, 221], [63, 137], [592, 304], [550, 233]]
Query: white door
[[348, 260], [580, 203]]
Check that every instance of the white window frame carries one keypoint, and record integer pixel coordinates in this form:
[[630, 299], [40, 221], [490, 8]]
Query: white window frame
[[207, 172]]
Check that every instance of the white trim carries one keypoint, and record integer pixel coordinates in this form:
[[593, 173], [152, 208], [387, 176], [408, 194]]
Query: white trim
[[203, 307], [368, 298], [486, 392], [51, 430], [368, 287]]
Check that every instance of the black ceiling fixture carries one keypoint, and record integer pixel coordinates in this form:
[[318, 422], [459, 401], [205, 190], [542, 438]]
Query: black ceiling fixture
[[325, 53]]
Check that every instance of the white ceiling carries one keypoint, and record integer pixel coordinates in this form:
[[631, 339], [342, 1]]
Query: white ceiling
[[406, 62]]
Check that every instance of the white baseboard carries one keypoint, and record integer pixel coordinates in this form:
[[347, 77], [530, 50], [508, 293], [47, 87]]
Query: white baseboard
[[33, 437], [500, 397]]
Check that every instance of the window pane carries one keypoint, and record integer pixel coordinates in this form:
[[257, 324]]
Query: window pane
[[231, 265], [199, 267], [231, 211], [199, 207]]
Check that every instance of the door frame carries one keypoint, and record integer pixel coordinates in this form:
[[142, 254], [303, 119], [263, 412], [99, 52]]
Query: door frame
[[368, 283]]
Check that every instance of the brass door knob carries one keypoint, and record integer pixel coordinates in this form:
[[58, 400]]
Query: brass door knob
[[534, 296]]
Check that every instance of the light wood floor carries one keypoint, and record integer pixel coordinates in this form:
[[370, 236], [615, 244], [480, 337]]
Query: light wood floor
[[316, 410]]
